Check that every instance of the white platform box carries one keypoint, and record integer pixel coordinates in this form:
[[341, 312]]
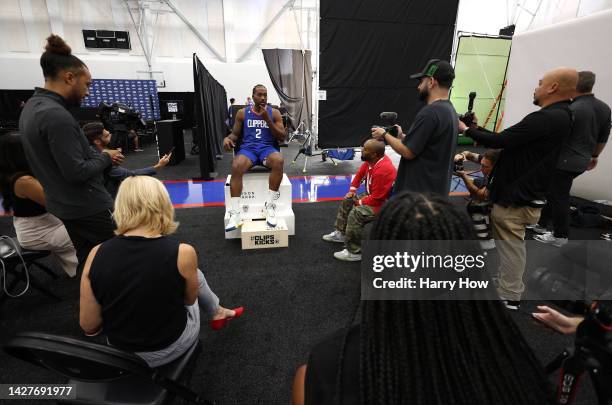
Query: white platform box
[[255, 188], [258, 235], [285, 215], [252, 202]]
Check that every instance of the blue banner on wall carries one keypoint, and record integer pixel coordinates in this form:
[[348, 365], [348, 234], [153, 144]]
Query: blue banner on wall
[[140, 95]]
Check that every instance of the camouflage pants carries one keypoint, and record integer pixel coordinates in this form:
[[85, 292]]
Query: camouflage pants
[[351, 219]]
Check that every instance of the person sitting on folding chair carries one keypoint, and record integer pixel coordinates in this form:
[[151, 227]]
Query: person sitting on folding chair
[[259, 128], [143, 286], [22, 193]]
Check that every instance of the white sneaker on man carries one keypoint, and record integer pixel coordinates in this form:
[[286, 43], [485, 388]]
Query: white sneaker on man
[[271, 215], [235, 221], [347, 256], [548, 237], [335, 236], [487, 244], [537, 228]]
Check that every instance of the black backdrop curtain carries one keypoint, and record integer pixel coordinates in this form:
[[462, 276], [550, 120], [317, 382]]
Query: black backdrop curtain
[[210, 113], [291, 74], [10, 106], [368, 51]]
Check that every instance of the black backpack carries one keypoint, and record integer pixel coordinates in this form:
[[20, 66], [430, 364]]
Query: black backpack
[[586, 216]]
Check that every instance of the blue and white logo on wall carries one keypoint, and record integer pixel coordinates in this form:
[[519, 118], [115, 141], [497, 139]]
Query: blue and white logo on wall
[[140, 95]]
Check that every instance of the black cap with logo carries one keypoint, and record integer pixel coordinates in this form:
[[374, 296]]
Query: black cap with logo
[[438, 69]]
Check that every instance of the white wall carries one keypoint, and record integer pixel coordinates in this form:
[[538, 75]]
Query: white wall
[[488, 16], [583, 44], [22, 71], [230, 26]]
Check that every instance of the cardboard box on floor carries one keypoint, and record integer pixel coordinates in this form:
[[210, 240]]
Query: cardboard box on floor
[[258, 235]]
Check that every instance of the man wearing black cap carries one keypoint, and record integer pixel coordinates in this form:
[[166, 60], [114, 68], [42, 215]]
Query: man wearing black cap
[[427, 149]]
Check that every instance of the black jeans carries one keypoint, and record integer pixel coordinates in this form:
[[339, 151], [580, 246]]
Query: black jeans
[[558, 202], [87, 232]]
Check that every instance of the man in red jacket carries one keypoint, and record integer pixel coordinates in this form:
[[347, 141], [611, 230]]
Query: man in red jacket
[[355, 211]]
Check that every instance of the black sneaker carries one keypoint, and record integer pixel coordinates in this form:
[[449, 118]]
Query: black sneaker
[[513, 305]]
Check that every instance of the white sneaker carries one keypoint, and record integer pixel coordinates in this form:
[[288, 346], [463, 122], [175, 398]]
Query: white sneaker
[[487, 244], [550, 238], [537, 228], [513, 305], [271, 215], [235, 221], [335, 236], [347, 256]]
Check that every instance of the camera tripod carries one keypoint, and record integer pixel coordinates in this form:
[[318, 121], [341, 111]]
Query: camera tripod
[[307, 147], [591, 353]]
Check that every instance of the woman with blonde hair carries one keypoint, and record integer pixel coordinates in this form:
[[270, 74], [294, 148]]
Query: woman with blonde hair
[[143, 286]]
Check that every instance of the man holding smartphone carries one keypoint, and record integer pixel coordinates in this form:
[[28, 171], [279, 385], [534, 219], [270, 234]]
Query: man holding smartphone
[[99, 139], [255, 138]]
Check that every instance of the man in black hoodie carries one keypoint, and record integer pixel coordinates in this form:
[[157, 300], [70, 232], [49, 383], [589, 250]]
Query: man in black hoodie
[[59, 154], [530, 152]]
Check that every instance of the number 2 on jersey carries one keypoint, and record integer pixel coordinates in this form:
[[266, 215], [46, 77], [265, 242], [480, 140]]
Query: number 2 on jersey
[[258, 133]]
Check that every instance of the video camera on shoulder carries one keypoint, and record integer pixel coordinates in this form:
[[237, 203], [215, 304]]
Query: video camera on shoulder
[[388, 121], [468, 117], [119, 113]]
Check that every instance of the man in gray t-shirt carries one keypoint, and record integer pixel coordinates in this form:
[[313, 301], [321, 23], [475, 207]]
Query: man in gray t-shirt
[[427, 149]]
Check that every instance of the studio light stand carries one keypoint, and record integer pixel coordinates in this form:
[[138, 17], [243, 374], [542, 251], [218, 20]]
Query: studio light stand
[[307, 148]]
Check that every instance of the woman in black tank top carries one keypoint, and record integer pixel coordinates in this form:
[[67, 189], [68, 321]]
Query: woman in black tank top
[[142, 286], [22, 194]]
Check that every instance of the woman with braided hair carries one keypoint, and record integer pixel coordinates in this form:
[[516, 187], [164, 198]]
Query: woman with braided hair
[[424, 352]]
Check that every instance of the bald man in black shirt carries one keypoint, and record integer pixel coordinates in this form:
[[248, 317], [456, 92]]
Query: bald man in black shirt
[[579, 153], [530, 152]]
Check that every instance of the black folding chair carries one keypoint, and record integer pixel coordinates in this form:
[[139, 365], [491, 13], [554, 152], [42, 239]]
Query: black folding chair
[[13, 257], [104, 374]]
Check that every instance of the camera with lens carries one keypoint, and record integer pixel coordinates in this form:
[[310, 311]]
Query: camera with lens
[[458, 166], [119, 119], [577, 278], [388, 120], [120, 113]]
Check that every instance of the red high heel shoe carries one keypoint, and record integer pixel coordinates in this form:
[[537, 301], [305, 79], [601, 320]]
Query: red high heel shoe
[[217, 324]]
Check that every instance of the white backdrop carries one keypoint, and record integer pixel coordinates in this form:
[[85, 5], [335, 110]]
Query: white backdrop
[[583, 44]]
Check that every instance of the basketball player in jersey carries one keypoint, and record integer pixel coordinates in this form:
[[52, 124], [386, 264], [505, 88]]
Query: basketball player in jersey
[[259, 129]]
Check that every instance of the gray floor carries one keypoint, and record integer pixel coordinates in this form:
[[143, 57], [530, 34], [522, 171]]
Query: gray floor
[[293, 298]]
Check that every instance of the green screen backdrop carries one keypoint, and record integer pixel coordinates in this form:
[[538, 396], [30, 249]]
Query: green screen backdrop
[[480, 66]]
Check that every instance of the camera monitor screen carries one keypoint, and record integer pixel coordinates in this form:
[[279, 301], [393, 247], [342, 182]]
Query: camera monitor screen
[[172, 107]]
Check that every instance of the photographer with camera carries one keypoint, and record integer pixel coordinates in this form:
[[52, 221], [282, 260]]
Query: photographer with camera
[[479, 206], [123, 122], [427, 148], [579, 153], [477, 187], [520, 180]]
